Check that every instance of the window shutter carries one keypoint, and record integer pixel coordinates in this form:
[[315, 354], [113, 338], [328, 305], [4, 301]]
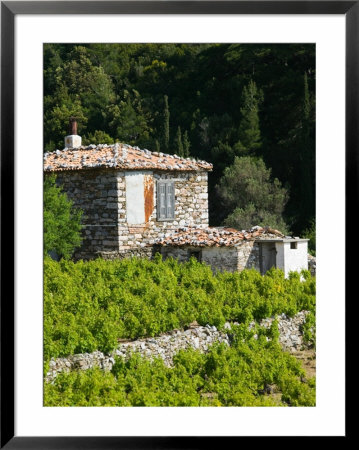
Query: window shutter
[[161, 200], [165, 200], [170, 201]]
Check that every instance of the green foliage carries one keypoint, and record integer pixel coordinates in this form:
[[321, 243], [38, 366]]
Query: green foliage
[[129, 121], [62, 223], [89, 305], [309, 329], [178, 143], [250, 197], [249, 130], [225, 376], [186, 144], [98, 137], [310, 234], [166, 125]]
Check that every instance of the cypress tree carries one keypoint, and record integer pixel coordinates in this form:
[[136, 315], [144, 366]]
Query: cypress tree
[[166, 125], [178, 142], [307, 182], [186, 145]]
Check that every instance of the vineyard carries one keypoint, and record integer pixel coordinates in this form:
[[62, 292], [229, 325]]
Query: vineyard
[[92, 305]]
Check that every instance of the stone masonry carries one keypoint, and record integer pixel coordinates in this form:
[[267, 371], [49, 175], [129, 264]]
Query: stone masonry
[[101, 194], [230, 259], [167, 345]]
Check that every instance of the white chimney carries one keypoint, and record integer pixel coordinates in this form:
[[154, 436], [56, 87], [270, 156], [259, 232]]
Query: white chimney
[[72, 140]]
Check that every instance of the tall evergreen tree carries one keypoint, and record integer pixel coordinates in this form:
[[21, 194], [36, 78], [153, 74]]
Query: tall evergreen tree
[[166, 125], [178, 142], [186, 145], [306, 156], [249, 131]]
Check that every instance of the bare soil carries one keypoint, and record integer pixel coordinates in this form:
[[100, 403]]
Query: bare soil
[[308, 359]]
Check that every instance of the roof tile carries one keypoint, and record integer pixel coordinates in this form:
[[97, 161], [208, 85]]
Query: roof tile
[[120, 156], [217, 237]]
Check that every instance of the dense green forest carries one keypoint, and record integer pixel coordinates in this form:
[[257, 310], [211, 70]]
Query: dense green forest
[[247, 108]]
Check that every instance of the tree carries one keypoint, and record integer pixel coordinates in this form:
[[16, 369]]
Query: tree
[[98, 137], [130, 122], [62, 223], [250, 197], [78, 88], [249, 132], [178, 142], [186, 145], [301, 143], [166, 125]]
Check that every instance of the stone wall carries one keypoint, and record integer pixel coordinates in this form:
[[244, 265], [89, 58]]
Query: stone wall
[[108, 208], [312, 265], [167, 345], [248, 256], [290, 330], [221, 258], [191, 209], [95, 192], [230, 259]]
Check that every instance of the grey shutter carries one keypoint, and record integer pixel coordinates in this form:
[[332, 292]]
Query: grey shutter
[[165, 200], [161, 200], [170, 200]]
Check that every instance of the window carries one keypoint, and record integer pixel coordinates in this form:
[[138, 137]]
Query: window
[[294, 245], [195, 254], [165, 200]]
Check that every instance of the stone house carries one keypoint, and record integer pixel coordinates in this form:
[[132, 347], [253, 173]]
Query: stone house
[[130, 197], [138, 202]]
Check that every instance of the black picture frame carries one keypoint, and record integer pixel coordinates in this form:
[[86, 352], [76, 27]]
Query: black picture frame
[[9, 9]]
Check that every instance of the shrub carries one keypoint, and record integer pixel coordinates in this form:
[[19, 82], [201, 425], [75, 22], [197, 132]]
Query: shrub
[[90, 305], [225, 376], [62, 227]]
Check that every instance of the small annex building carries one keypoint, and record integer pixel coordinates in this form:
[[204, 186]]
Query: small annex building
[[227, 249], [137, 202]]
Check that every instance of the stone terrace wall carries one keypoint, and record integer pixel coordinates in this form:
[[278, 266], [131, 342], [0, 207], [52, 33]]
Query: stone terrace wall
[[312, 265], [167, 345]]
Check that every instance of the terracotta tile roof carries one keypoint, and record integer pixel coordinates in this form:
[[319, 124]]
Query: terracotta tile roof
[[217, 237], [119, 156]]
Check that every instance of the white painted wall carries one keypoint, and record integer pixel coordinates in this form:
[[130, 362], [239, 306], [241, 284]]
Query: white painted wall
[[135, 202], [295, 259]]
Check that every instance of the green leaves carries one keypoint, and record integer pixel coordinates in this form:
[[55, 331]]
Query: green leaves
[[250, 197], [62, 223], [225, 376], [89, 305]]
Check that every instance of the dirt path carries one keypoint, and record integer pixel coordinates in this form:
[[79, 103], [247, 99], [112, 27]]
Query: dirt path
[[308, 360]]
